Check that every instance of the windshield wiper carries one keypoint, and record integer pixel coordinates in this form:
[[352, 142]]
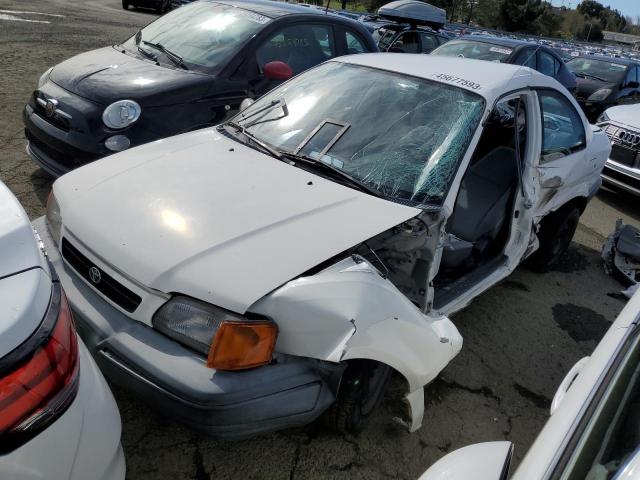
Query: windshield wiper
[[265, 147], [147, 53], [267, 108], [583, 75], [174, 57], [333, 171]]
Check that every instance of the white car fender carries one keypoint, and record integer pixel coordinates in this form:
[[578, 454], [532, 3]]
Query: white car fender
[[350, 311], [480, 461]]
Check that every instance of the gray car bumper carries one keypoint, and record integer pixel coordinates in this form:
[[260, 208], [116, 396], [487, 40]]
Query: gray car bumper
[[175, 381]]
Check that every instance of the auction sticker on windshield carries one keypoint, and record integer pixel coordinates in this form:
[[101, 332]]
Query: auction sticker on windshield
[[457, 81], [255, 17], [504, 51]]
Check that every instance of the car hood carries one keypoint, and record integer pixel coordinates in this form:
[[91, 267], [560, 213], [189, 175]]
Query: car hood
[[106, 75], [203, 215], [586, 86], [626, 114]]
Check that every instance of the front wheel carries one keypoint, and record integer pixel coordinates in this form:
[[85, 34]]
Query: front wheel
[[555, 234], [363, 385]]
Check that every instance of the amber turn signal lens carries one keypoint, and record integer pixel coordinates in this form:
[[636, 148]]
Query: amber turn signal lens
[[241, 345]]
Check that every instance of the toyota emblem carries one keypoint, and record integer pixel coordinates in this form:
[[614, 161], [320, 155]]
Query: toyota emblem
[[94, 275], [50, 107]]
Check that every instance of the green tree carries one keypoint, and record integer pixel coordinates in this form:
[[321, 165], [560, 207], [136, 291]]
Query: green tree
[[590, 8]]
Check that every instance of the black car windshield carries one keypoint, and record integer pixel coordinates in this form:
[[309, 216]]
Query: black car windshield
[[471, 49], [598, 69], [204, 34], [400, 135]]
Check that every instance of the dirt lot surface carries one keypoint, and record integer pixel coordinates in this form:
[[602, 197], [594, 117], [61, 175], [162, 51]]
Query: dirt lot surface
[[520, 338]]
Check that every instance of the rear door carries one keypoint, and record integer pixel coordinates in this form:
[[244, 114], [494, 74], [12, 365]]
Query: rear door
[[562, 168]]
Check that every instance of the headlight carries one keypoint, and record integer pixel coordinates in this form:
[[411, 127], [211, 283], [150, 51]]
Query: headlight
[[121, 114], [230, 341], [54, 219], [600, 94], [44, 77], [603, 117]]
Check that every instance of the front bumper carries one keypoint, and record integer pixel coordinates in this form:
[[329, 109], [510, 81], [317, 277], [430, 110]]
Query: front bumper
[[622, 176], [174, 380]]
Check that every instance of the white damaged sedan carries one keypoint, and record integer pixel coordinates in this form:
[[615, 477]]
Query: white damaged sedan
[[256, 275]]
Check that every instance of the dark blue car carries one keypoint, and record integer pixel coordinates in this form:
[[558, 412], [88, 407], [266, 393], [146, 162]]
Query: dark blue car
[[507, 50]]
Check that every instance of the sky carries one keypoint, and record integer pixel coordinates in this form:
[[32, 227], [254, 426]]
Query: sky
[[629, 8]]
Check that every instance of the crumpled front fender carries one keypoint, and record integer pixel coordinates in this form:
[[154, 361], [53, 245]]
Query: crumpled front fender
[[349, 311]]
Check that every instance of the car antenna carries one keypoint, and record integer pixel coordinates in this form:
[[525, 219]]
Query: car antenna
[[326, 10]]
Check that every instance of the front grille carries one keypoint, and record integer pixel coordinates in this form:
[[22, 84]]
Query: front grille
[[622, 155], [107, 285], [55, 120], [622, 178], [51, 153]]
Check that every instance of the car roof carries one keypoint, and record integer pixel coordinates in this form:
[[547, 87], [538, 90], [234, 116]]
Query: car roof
[[466, 73], [605, 58], [503, 41], [273, 9]]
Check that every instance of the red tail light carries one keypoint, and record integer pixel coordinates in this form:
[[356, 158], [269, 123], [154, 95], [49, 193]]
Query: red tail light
[[43, 382]]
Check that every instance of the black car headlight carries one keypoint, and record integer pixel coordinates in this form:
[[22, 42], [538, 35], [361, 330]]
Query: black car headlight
[[230, 341], [121, 114]]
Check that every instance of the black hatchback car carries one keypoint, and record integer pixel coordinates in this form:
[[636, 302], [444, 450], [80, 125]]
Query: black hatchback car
[[605, 82], [187, 70], [508, 50]]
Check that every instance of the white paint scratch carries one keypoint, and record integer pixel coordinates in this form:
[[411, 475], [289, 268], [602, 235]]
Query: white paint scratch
[[20, 12], [11, 18]]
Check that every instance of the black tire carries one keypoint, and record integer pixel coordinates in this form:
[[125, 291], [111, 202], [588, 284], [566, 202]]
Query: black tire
[[125, 4], [555, 234], [361, 390]]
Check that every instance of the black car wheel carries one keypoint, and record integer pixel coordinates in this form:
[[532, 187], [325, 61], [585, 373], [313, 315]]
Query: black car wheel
[[362, 387], [125, 4], [555, 234]]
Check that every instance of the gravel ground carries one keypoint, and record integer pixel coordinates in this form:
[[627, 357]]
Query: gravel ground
[[520, 338]]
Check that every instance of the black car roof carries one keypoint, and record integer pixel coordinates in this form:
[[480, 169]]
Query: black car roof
[[605, 58]]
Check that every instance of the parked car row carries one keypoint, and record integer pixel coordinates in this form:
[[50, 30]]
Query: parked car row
[[202, 266]]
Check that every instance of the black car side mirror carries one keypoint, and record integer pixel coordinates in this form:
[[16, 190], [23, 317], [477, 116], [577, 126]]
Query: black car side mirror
[[632, 85]]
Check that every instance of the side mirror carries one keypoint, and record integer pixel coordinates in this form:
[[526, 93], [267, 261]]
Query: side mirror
[[246, 103], [632, 85], [490, 460], [277, 70]]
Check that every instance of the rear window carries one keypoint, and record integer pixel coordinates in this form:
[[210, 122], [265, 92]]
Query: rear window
[[471, 49]]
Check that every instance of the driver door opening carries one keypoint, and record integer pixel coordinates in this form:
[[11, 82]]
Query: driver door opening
[[478, 230]]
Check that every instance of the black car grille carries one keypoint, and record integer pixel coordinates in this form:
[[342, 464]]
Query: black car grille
[[44, 149], [625, 143], [55, 120], [107, 285]]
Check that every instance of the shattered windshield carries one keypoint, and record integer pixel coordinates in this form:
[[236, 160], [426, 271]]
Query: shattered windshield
[[400, 135]]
